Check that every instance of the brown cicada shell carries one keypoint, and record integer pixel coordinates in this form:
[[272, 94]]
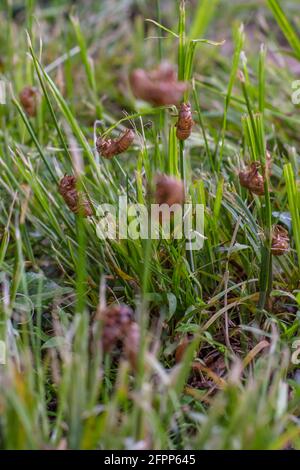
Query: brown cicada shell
[[185, 122], [29, 98], [251, 179], [159, 87], [116, 321], [280, 240], [67, 188], [120, 331], [169, 190], [108, 148]]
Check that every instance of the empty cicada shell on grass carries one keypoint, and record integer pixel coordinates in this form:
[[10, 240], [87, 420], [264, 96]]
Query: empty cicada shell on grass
[[29, 98], [251, 179], [108, 148], [116, 319], [169, 190], [159, 87], [253, 176], [120, 329], [185, 122], [280, 240], [76, 202]]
